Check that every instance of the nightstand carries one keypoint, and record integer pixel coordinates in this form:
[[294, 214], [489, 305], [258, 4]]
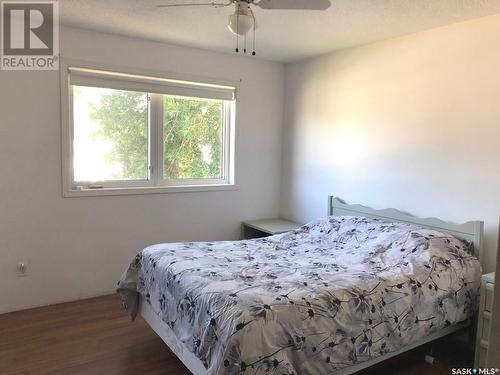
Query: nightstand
[[266, 227], [484, 319]]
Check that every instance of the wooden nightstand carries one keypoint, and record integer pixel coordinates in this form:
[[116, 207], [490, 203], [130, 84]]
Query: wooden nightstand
[[266, 227], [484, 319]]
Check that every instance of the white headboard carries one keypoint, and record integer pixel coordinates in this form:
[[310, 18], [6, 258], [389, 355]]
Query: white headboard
[[471, 230]]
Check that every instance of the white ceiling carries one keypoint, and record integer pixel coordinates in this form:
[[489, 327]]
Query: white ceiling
[[281, 35]]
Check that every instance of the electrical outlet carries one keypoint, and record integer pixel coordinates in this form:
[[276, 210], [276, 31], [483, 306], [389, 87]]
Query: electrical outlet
[[22, 269]]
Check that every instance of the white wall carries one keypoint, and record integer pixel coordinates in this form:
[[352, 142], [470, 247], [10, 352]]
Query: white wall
[[78, 247], [411, 123]]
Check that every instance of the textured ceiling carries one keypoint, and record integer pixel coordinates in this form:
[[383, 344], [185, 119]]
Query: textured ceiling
[[281, 35]]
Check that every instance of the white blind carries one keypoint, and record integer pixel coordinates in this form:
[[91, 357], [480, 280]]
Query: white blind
[[156, 85]]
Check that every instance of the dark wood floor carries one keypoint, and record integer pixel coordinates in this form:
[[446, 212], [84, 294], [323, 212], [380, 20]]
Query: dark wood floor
[[94, 336]]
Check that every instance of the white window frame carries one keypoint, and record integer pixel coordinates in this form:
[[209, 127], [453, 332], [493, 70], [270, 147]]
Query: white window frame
[[189, 87]]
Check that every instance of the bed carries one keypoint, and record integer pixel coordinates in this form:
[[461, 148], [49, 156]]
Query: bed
[[334, 296]]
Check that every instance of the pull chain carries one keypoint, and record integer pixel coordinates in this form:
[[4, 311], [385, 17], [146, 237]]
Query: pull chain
[[237, 30], [253, 48]]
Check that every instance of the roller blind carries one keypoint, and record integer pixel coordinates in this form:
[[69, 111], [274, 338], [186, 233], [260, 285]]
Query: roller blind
[[155, 85]]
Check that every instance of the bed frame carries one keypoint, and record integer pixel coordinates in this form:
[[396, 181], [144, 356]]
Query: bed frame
[[470, 231]]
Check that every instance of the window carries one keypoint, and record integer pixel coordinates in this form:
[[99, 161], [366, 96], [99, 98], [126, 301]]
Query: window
[[129, 133]]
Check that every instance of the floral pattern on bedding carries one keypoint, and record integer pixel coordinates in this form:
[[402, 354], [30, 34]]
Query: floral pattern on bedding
[[336, 292]]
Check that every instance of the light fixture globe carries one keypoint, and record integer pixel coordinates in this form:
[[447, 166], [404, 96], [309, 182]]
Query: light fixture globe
[[241, 21]]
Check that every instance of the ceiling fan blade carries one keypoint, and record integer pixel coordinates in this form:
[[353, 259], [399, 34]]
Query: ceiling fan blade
[[294, 4], [213, 4]]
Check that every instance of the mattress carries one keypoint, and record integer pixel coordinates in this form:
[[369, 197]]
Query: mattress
[[334, 293]]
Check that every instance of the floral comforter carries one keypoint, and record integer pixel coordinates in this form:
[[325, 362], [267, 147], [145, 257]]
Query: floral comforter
[[336, 292]]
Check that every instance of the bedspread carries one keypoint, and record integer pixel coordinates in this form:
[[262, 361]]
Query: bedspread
[[335, 292]]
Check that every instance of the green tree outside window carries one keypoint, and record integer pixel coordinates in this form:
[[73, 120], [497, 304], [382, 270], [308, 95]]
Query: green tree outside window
[[192, 136]]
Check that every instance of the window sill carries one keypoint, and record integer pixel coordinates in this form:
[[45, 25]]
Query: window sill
[[147, 190]]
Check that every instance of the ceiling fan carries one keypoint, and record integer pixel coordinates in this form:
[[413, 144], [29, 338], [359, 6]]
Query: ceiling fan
[[243, 19]]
